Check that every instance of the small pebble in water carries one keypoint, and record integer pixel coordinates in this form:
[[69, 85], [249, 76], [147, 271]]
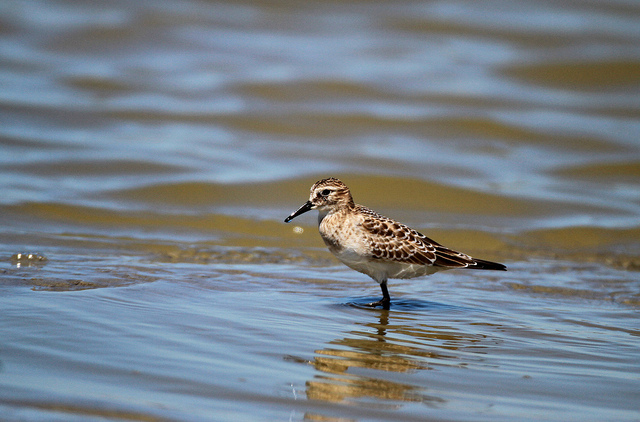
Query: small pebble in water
[[24, 259]]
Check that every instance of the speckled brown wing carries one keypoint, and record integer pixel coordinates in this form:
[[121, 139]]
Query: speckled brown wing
[[392, 241], [446, 257]]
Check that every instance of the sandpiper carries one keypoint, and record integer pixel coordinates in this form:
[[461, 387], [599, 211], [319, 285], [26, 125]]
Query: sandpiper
[[375, 245]]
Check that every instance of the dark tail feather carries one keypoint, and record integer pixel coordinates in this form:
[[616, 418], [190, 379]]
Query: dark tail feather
[[481, 264]]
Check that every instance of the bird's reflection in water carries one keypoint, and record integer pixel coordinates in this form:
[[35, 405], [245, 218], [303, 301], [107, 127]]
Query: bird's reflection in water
[[361, 366]]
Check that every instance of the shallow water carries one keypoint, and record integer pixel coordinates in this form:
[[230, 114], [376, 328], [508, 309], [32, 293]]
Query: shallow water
[[149, 153]]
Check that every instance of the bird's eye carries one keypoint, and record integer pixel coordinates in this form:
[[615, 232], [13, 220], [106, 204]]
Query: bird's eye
[[326, 192]]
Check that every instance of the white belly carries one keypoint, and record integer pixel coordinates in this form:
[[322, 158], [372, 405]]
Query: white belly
[[381, 270]]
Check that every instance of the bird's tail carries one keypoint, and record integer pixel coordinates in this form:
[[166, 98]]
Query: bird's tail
[[481, 264]]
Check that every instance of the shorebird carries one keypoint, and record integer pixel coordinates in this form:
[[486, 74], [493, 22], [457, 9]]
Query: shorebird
[[375, 245]]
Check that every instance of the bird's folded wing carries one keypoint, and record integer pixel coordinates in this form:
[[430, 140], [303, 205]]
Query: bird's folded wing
[[392, 241]]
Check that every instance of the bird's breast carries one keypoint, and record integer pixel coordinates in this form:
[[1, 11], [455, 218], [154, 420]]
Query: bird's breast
[[342, 235]]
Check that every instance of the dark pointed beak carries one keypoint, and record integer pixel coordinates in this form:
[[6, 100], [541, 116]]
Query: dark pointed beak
[[308, 206]]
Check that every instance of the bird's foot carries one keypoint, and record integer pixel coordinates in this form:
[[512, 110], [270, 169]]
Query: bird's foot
[[384, 302]]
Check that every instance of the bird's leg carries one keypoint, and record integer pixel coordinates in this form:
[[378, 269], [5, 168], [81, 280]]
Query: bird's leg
[[385, 302]]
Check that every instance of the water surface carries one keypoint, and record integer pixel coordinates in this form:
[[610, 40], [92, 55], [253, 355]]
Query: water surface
[[149, 153]]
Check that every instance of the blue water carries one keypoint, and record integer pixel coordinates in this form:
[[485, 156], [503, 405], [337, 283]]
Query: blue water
[[149, 153]]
